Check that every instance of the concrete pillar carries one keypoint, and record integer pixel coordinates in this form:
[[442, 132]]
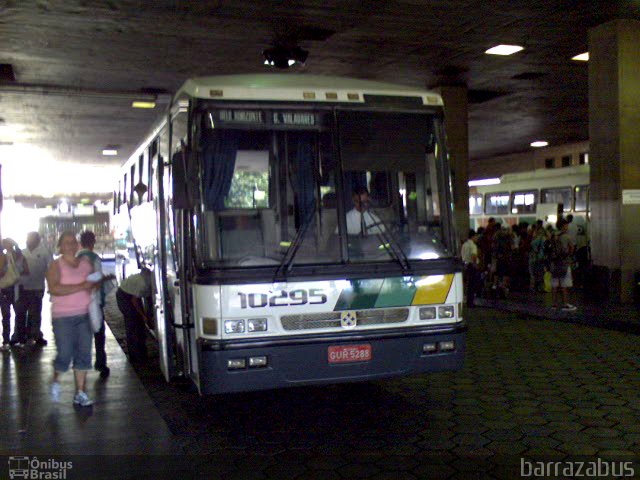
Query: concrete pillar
[[456, 111], [614, 117]]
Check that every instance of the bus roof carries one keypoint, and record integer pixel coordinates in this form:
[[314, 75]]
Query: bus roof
[[298, 87], [545, 173]]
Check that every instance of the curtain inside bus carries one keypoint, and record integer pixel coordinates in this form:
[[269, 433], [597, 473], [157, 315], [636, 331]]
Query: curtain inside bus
[[303, 173], [219, 151]]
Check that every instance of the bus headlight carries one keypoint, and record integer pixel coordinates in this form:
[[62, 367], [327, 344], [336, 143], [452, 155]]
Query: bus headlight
[[209, 326], [257, 325], [427, 313], [234, 326], [447, 311]]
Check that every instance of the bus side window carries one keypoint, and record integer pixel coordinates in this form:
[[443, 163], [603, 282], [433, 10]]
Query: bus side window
[[475, 204], [581, 198], [496, 203], [524, 202]]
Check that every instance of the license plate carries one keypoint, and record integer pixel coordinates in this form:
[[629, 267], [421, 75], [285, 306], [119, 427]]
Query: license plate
[[349, 353]]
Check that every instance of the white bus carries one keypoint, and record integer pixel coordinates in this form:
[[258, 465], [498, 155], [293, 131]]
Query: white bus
[[535, 195], [238, 201]]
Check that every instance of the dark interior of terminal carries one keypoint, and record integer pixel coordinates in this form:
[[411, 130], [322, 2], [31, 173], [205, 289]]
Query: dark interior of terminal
[[337, 239]]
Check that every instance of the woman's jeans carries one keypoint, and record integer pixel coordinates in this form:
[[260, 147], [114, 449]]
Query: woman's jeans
[[73, 342]]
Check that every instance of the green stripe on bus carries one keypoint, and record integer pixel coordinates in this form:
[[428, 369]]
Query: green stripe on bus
[[396, 292], [361, 294]]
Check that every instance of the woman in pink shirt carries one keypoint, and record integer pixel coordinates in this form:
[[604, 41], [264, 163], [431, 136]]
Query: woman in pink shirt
[[70, 297]]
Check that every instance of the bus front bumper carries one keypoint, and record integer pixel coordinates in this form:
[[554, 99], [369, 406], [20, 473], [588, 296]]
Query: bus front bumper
[[301, 360]]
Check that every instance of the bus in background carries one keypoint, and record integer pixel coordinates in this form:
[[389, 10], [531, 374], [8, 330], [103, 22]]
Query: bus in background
[[87, 218], [300, 231], [530, 196]]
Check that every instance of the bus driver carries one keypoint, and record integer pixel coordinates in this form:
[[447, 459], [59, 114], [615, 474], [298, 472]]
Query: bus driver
[[360, 221]]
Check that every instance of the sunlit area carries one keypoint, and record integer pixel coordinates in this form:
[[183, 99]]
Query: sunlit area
[[48, 196], [19, 162], [17, 221]]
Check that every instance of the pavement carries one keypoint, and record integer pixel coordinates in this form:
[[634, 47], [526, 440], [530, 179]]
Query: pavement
[[589, 311]]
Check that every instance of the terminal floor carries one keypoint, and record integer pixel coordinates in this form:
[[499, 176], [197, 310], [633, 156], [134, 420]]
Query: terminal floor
[[589, 311], [530, 388]]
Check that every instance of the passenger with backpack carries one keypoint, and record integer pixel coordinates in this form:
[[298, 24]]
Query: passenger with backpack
[[559, 249], [88, 243]]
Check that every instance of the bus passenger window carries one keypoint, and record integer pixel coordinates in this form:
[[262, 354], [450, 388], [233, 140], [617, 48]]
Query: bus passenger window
[[524, 202], [581, 198], [496, 203], [125, 190], [475, 204], [557, 195]]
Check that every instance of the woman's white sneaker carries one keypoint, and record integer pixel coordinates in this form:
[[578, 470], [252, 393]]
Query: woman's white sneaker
[[82, 399], [55, 392]]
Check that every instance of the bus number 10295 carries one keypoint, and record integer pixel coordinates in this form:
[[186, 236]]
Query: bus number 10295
[[313, 296]]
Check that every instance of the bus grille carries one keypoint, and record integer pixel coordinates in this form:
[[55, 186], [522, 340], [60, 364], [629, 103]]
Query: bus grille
[[311, 321]]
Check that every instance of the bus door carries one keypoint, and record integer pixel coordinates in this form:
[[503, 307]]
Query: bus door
[[185, 327], [164, 271], [180, 229]]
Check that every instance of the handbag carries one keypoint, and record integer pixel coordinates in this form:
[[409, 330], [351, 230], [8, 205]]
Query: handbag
[[11, 276], [95, 311]]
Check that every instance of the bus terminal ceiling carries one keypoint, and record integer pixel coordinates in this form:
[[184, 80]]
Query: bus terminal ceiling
[[71, 69]]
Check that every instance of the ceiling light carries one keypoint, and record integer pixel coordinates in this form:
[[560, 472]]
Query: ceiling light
[[504, 49], [484, 181], [284, 57], [143, 104], [109, 152], [583, 57], [539, 143]]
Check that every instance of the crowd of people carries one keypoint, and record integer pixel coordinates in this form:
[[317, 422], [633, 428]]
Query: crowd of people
[[77, 288], [523, 257]]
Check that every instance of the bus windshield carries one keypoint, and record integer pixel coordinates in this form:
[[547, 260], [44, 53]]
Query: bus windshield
[[346, 188]]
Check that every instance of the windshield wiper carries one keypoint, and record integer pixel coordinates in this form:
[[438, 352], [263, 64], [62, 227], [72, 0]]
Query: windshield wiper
[[391, 244], [287, 261]]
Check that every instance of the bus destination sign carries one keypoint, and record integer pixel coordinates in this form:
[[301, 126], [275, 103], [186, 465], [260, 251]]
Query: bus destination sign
[[294, 118], [241, 116]]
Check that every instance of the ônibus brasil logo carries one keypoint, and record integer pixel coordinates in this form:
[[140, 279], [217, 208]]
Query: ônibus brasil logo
[[36, 469]]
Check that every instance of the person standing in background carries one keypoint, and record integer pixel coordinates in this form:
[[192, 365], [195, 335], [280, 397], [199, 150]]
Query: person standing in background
[[12, 264], [88, 242], [29, 303], [469, 254]]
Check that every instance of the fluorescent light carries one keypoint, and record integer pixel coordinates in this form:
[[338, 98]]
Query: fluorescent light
[[109, 152], [484, 181], [504, 49], [539, 143], [141, 104], [583, 57]]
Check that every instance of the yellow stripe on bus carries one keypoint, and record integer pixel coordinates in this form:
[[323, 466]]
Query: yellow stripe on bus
[[432, 289]]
